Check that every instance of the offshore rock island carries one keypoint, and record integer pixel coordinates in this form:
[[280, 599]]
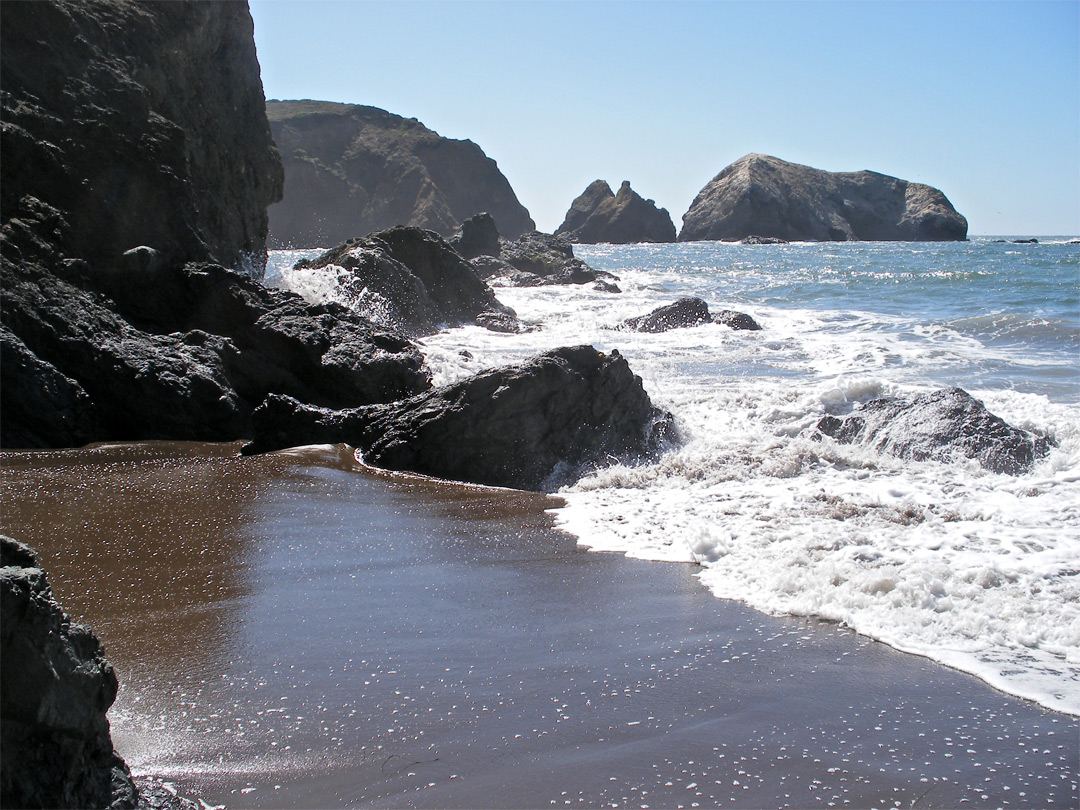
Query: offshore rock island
[[763, 196], [598, 215]]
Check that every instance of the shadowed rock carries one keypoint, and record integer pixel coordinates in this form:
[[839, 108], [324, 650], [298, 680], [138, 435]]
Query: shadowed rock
[[687, 312], [55, 688], [939, 426], [598, 215], [477, 236], [413, 280], [351, 170], [531, 426], [541, 258], [764, 196]]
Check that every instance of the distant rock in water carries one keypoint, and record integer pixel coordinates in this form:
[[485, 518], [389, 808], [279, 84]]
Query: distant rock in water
[[939, 426], [598, 215], [688, 312], [763, 196], [351, 170], [411, 279], [530, 426], [55, 745]]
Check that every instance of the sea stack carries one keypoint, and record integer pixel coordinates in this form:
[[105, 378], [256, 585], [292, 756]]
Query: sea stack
[[598, 215], [760, 195], [351, 170]]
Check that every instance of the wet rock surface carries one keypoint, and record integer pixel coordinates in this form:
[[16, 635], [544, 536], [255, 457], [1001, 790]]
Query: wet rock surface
[[939, 426], [351, 170], [765, 197], [688, 312], [530, 426], [539, 259], [599, 215], [414, 280]]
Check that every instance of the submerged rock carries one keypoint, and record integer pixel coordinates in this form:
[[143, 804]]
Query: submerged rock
[[351, 170], [598, 215], [56, 686], [530, 426], [687, 312], [939, 426], [764, 196], [413, 280]]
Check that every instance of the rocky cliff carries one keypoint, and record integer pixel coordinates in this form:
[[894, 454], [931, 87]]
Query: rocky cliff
[[759, 195], [135, 148], [598, 215], [351, 170], [140, 124]]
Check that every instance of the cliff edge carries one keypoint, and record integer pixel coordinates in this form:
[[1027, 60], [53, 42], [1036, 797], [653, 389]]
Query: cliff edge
[[760, 195]]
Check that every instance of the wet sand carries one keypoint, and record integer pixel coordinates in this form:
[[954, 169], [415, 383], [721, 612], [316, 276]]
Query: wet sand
[[293, 631]]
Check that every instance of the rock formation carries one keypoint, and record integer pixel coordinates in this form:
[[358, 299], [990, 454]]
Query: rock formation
[[477, 236], [763, 196], [939, 426], [688, 312], [536, 259], [624, 218], [109, 188], [140, 124], [55, 688], [531, 426], [351, 170], [412, 279]]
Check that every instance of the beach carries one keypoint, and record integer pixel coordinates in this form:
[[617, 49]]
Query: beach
[[295, 630]]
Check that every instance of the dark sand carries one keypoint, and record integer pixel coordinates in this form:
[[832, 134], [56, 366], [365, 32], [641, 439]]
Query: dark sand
[[292, 631]]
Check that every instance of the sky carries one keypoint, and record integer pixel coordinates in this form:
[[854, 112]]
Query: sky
[[980, 99]]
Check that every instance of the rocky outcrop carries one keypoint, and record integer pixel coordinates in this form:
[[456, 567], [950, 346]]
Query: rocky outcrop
[[135, 146], [538, 259], [688, 312], [411, 279], [140, 124], [598, 215], [126, 351], [939, 426], [351, 170], [763, 196], [55, 688], [531, 426], [477, 236]]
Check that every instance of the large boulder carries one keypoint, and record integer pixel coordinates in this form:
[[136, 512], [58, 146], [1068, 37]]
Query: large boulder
[[477, 236], [351, 170], [687, 312], [531, 426], [410, 279], [939, 426], [598, 215], [141, 124], [55, 688], [764, 196]]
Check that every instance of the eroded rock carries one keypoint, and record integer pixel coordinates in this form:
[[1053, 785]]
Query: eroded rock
[[598, 215], [687, 312]]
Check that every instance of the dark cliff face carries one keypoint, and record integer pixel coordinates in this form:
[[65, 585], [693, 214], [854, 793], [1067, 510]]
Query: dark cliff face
[[598, 215], [141, 124], [351, 170], [759, 195]]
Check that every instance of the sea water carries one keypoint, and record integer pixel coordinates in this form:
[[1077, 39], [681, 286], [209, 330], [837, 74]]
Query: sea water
[[974, 569]]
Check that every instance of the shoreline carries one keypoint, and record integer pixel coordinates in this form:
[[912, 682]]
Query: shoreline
[[416, 642]]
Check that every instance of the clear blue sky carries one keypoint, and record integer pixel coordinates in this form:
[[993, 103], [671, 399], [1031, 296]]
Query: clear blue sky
[[980, 99]]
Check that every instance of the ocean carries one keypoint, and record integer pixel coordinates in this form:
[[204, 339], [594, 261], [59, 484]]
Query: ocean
[[973, 569]]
